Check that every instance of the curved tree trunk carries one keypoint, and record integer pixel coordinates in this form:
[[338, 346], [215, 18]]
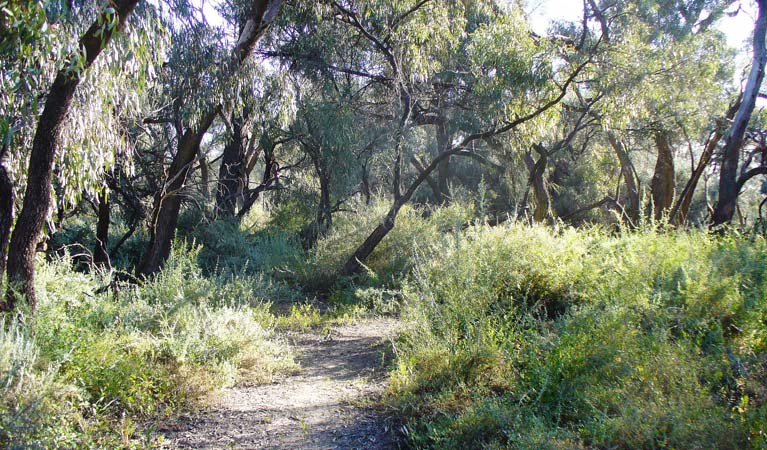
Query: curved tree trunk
[[629, 179], [21, 253], [537, 181], [728, 183]]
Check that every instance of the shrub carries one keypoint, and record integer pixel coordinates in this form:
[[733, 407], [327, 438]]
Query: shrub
[[536, 337], [89, 363]]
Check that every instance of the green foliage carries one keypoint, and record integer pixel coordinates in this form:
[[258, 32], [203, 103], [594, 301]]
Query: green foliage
[[529, 337], [417, 228], [97, 362]]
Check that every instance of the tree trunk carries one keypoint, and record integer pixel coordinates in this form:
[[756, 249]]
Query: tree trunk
[[537, 181], [6, 212], [682, 207], [167, 202], [204, 177], [37, 198], [101, 250], [629, 179], [230, 172], [728, 183], [443, 171], [662, 184], [366, 183], [354, 264], [269, 179], [324, 219]]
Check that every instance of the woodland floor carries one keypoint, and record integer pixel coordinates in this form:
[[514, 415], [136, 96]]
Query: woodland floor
[[332, 402]]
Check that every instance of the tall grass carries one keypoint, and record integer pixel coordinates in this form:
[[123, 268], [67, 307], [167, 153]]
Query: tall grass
[[533, 337], [87, 367]]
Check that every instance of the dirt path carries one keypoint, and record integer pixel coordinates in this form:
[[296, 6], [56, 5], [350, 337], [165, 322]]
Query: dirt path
[[330, 404]]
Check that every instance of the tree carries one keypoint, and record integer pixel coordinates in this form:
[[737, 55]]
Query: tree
[[730, 184], [46, 143], [258, 17], [505, 68]]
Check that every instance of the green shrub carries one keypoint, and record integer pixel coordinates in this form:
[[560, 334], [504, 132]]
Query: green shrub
[[536, 337], [87, 366], [417, 228]]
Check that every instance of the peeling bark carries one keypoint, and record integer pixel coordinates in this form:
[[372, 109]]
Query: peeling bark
[[662, 184]]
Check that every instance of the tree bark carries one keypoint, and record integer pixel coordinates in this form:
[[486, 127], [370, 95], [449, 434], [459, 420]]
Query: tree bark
[[324, 218], [629, 179], [728, 185], [662, 184], [366, 183], [230, 172], [167, 203], [101, 250], [537, 181], [682, 207], [47, 140], [6, 212]]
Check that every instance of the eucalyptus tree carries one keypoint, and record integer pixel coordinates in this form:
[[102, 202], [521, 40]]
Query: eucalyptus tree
[[470, 70], [328, 133], [261, 109], [61, 143], [730, 182], [511, 75], [664, 73], [255, 17]]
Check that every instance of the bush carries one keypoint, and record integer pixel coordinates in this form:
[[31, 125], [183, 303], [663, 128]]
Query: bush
[[417, 228], [88, 363], [535, 337]]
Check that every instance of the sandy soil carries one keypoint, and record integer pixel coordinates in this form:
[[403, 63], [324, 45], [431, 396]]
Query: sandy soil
[[332, 403]]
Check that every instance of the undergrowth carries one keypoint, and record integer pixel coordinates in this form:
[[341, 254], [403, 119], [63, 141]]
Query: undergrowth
[[532, 337], [516, 336], [92, 370]]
